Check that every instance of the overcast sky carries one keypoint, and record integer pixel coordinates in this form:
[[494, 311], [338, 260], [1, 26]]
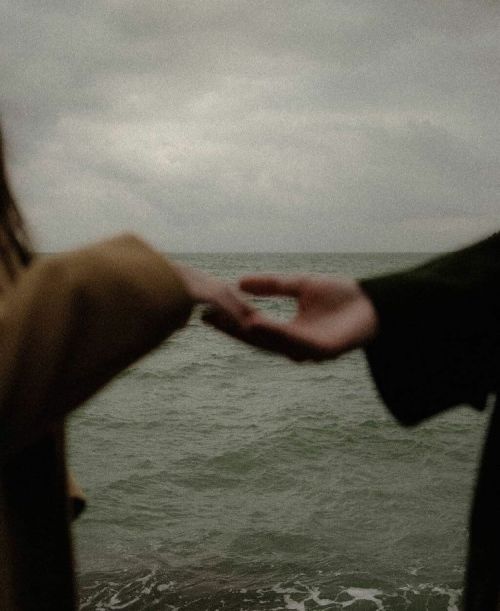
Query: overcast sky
[[264, 125]]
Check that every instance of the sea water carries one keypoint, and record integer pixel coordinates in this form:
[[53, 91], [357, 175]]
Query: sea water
[[221, 477]]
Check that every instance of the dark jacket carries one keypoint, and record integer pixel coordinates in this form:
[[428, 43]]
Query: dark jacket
[[438, 347]]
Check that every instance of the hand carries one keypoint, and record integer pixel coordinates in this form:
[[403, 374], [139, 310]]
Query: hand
[[207, 289], [333, 316]]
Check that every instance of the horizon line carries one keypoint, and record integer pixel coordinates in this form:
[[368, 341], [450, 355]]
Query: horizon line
[[276, 252]]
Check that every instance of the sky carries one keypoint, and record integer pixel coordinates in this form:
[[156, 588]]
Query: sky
[[254, 125]]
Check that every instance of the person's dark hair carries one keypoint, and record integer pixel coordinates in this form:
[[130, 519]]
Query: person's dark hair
[[15, 237]]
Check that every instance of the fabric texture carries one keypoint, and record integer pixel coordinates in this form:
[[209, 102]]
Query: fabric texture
[[438, 347], [68, 324]]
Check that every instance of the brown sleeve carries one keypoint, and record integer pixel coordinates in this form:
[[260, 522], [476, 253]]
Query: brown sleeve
[[71, 322]]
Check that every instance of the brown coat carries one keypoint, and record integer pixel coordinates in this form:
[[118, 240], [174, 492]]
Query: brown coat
[[68, 324]]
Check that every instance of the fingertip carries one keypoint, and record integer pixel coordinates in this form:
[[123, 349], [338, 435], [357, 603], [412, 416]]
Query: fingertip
[[255, 284], [244, 282]]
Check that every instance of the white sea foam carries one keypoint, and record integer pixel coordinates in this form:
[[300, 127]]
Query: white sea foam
[[322, 602], [299, 597], [294, 604], [369, 594], [454, 596], [132, 590], [280, 590], [311, 593], [116, 603]]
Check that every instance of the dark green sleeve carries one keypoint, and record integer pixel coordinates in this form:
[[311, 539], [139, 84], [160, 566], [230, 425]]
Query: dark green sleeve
[[439, 340]]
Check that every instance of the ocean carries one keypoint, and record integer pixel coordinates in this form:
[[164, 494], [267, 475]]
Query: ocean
[[220, 477]]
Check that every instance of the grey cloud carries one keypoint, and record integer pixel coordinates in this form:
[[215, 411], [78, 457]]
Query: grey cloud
[[254, 125]]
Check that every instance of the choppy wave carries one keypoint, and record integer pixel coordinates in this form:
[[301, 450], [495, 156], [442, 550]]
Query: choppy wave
[[141, 590], [209, 449]]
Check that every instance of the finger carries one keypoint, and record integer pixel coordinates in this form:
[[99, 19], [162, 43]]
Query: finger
[[222, 322], [266, 284], [216, 317], [233, 303], [290, 338], [278, 337], [262, 333]]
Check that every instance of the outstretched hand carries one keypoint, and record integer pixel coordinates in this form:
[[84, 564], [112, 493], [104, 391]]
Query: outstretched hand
[[333, 316]]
